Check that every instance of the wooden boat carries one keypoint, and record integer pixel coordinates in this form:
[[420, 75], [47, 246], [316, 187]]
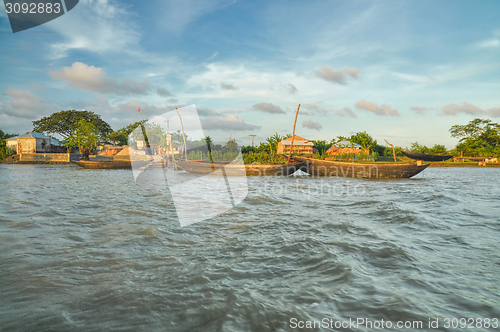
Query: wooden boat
[[318, 167], [240, 169], [426, 157], [112, 164]]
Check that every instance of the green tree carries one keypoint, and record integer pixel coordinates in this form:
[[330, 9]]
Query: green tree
[[387, 151], [438, 149], [365, 140], [321, 145], [473, 130], [416, 147], [231, 146], [5, 135], [209, 142], [5, 151], [121, 136], [85, 137], [273, 141], [65, 123], [479, 137]]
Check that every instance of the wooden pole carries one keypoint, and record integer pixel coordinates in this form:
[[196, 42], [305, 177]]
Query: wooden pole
[[293, 134], [168, 140], [393, 151], [171, 150], [183, 137]]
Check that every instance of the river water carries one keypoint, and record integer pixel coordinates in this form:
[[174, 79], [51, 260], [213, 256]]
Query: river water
[[88, 250]]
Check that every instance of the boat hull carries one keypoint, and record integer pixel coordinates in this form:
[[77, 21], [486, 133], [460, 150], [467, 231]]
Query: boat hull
[[366, 171], [122, 164], [425, 157], [240, 170]]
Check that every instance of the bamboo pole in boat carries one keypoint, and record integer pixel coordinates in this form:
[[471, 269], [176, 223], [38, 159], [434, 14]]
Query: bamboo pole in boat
[[293, 134], [183, 137], [393, 151], [169, 148]]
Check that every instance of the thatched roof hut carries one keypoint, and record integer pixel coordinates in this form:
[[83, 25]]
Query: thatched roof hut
[[346, 147], [300, 145]]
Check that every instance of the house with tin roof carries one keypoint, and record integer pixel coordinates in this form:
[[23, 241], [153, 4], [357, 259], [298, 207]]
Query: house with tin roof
[[33, 142]]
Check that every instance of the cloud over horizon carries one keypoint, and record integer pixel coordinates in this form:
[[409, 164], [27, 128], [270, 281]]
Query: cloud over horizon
[[24, 104], [467, 108], [384, 109], [228, 123], [227, 86], [268, 108], [90, 78], [418, 109], [315, 107], [308, 123], [338, 76]]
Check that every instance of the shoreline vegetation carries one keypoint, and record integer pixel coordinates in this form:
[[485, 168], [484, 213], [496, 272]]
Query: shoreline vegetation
[[85, 131]]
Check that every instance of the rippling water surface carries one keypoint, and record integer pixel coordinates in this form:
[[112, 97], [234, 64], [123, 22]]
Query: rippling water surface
[[88, 250]]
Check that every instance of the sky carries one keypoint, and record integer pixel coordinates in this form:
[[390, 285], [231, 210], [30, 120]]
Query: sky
[[405, 71]]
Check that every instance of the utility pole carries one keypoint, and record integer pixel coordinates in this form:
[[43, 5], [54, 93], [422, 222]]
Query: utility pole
[[252, 138]]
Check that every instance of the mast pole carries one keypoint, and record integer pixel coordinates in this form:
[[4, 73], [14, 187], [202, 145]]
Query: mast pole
[[183, 136], [293, 134]]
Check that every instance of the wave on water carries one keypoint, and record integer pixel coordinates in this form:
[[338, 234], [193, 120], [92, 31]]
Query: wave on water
[[92, 251]]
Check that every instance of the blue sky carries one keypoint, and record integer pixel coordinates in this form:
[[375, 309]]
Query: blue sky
[[404, 71]]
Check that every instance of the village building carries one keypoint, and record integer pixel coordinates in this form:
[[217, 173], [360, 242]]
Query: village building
[[33, 142], [300, 145], [346, 147]]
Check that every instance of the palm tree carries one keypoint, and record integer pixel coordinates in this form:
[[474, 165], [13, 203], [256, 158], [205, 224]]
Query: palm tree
[[209, 142]]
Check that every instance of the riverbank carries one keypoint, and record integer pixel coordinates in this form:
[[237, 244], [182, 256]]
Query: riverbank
[[463, 164], [16, 159]]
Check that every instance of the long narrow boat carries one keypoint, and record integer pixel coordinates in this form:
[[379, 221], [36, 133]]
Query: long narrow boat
[[240, 169], [318, 167], [112, 164], [426, 157]]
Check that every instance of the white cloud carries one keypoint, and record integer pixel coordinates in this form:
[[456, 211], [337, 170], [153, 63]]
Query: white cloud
[[24, 104], [315, 107], [470, 109], [268, 108], [494, 112], [203, 111], [465, 107], [228, 123], [227, 86], [99, 26], [176, 15], [291, 88], [338, 76], [384, 109], [490, 43], [251, 83], [163, 92], [37, 86], [418, 109], [308, 123], [346, 111], [90, 78]]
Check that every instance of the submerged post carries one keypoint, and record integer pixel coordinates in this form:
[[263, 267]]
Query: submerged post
[[393, 151], [293, 134], [183, 137]]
